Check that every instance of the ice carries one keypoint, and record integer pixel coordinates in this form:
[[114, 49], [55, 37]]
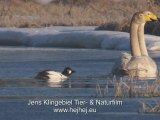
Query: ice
[[19, 66], [72, 37]]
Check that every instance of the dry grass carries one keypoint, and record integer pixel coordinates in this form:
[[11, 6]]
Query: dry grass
[[30, 14], [108, 14], [129, 87], [151, 107], [102, 92]]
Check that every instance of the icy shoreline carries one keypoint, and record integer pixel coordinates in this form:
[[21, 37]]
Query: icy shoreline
[[71, 37]]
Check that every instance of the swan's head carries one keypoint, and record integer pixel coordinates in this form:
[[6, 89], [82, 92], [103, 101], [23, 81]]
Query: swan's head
[[143, 17]]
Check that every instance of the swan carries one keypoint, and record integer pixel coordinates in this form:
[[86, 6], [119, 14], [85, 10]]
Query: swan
[[138, 63], [53, 76]]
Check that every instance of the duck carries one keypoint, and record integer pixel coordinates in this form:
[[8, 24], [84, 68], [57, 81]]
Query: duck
[[137, 64], [54, 76]]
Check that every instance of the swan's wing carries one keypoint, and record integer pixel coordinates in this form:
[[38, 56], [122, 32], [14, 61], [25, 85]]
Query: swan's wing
[[124, 60], [120, 64]]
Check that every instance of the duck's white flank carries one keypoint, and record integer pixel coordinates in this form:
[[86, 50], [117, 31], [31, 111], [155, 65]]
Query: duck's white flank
[[56, 76]]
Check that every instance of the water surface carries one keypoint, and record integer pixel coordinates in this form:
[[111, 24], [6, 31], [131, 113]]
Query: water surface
[[19, 66]]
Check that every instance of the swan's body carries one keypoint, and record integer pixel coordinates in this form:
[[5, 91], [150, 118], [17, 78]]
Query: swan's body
[[53, 76], [138, 64]]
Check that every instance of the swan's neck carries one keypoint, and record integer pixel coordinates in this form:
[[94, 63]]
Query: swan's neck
[[135, 49], [142, 43]]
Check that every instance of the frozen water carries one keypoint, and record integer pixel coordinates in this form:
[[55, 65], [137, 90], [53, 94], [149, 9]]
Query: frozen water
[[71, 37]]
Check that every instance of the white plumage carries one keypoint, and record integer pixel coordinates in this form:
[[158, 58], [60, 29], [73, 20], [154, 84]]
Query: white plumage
[[138, 63], [56, 76], [53, 76]]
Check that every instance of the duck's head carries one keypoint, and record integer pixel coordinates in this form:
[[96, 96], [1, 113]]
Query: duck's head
[[143, 17], [67, 71]]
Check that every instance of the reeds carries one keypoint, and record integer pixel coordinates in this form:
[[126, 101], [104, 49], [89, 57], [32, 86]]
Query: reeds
[[102, 92], [129, 87], [108, 14], [150, 107]]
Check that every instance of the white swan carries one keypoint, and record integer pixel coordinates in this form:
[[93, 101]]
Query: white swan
[[138, 64]]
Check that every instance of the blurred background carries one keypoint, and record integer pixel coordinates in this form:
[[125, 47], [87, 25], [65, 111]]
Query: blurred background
[[111, 15]]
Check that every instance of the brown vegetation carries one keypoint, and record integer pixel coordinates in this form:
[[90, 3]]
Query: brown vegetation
[[129, 87], [108, 14], [150, 107]]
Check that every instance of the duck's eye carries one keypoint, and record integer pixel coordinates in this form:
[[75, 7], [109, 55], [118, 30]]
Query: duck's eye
[[140, 15]]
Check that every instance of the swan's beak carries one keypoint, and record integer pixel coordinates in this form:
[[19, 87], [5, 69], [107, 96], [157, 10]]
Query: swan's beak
[[151, 18]]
